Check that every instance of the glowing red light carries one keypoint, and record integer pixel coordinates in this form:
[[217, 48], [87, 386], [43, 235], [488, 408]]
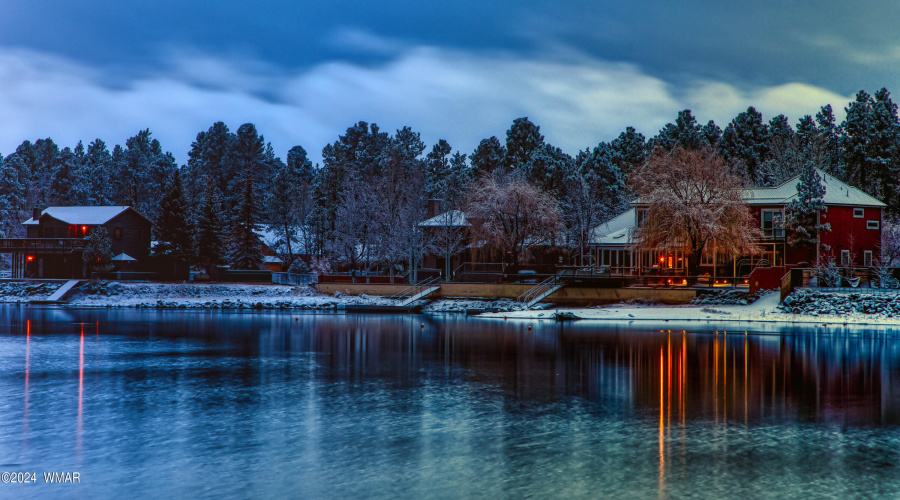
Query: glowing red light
[[84, 229], [30, 258]]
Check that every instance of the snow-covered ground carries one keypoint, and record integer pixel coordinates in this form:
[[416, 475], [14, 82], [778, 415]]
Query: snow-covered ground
[[765, 309], [221, 296]]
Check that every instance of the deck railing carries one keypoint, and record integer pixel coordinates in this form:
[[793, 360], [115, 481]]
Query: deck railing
[[55, 245]]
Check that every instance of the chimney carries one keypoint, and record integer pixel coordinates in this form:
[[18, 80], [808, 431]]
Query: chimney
[[36, 213]]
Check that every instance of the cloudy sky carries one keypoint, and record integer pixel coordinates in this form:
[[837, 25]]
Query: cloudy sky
[[461, 70]]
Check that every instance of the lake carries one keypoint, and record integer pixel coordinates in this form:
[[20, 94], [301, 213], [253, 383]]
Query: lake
[[212, 404]]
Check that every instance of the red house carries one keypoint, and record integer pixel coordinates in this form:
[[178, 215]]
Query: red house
[[854, 239]]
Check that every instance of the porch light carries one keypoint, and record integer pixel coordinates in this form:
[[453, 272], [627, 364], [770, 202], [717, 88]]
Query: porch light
[[83, 229], [30, 258]]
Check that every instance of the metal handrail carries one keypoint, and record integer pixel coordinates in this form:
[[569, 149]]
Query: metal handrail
[[412, 290], [537, 289]]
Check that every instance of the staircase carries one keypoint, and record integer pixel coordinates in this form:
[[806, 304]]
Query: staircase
[[539, 292], [58, 295], [418, 291]]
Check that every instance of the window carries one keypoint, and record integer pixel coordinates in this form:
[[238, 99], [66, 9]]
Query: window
[[845, 258], [858, 213], [867, 258], [872, 224], [641, 216], [772, 223], [117, 233]]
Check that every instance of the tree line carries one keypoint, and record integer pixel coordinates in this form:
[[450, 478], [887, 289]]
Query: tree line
[[362, 205]]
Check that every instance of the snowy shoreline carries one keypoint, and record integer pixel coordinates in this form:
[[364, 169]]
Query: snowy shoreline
[[280, 297]]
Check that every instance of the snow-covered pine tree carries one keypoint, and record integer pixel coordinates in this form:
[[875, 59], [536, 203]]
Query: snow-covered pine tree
[[802, 217], [522, 139], [437, 170], [173, 231], [547, 168], [487, 157], [209, 235], [98, 163], [245, 243], [12, 189], [98, 251], [744, 140]]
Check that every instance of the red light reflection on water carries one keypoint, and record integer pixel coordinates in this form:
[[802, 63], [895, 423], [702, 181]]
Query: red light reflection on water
[[80, 391]]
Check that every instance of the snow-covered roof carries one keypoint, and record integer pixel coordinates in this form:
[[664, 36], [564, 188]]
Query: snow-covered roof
[[616, 231], [836, 193], [123, 257], [451, 218], [276, 242], [89, 216], [271, 259]]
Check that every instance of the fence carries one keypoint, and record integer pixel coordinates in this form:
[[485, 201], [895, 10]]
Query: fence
[[293, 279]]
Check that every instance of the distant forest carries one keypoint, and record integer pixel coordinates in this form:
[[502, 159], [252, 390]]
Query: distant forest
[[373, 187]]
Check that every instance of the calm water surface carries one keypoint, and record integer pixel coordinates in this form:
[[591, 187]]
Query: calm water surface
[[255, 405]]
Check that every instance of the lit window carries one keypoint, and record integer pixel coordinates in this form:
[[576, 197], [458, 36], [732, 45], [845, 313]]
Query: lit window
[[872, 224], [858, 213]]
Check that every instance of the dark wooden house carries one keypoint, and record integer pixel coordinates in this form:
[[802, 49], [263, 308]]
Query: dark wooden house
[[55, 240]]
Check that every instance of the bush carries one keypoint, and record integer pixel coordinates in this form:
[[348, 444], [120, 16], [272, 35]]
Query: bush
[[299, 267]]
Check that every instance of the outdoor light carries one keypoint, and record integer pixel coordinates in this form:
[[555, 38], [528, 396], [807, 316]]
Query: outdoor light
[[30, 258], [83, 229]]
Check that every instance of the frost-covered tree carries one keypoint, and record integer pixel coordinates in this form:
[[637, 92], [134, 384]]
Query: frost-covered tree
[[99, 165], [210, 232], [173, 229], [685, 133], [710, 134], [547, 169], [744, 141], [289, 202], [437, 170], [246, 245], [522, 139], [512, 216], [692, 203], [584, 205], [871, 156], [12, 190], [488, 157], [802, 219], [98, 250]]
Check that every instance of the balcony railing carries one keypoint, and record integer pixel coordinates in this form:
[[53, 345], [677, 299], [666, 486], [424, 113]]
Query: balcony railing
[[41, 245]]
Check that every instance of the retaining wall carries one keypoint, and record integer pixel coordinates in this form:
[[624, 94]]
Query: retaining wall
[[569, 296]]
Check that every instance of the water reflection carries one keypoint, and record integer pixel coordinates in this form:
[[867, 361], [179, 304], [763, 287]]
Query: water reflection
[[441, 402]]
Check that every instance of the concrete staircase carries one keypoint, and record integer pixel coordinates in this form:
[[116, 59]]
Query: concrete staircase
[[539, 292], [59, 295]]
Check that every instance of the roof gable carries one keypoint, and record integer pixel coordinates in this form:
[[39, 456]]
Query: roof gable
[[89, 216]]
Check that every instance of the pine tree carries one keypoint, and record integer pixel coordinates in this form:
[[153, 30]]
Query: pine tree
[[98, 251], [744, 140], [548, 168], [437, 171], [870, 146], [245, 243], [488, 157], [173, 231], [802, 218], [98, 163], [12, 190], [209, 234], [685, 132], [629, 150], [522, 139], [710, 134]]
